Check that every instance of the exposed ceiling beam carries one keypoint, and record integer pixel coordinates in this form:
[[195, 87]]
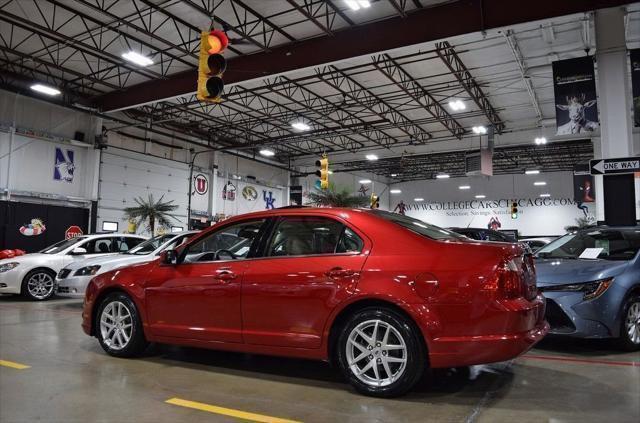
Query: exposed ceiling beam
[[423, 25]]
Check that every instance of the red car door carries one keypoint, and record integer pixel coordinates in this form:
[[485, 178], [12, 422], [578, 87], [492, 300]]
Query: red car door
[[310, 264], [200, 297]]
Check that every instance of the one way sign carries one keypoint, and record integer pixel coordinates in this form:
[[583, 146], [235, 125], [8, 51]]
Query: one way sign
[[611, 166]]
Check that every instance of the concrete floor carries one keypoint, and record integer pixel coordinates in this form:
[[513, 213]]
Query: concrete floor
[[72, 380]]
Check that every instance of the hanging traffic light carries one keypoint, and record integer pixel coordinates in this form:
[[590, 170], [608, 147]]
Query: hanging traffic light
[[322, 172], [514, 210], [212, 65], [375, 201]]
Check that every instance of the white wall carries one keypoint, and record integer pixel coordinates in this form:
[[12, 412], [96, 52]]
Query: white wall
[[446, 205]]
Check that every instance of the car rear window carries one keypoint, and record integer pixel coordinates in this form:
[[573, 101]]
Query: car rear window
[[418, 226]]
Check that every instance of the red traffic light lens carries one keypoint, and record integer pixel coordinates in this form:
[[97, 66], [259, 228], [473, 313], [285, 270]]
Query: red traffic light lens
[[218, 41]]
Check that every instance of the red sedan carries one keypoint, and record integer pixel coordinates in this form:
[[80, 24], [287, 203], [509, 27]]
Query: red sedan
[[380, 294]]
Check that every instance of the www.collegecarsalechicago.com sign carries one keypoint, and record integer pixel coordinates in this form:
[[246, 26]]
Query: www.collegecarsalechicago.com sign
[[492, 204]]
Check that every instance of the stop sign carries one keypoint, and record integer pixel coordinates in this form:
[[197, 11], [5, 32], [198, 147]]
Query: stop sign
[[72, 232]]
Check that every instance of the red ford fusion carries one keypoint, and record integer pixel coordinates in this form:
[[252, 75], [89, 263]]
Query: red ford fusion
[[381, 295]]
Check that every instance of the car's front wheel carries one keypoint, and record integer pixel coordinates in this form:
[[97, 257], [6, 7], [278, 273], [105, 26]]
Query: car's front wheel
[[38, 285], [118, 326], [381, 353], [630, 331]]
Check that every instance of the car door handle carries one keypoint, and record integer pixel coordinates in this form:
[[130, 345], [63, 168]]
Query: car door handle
[[225, 275], [338, 272]]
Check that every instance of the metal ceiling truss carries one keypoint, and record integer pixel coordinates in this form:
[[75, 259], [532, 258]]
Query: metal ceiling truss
[[553, 157], [401, 78], [451, 59]]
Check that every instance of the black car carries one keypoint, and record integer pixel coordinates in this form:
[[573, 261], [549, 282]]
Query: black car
[[483, 234]]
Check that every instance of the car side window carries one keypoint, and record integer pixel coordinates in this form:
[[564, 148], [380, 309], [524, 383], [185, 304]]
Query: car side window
[[98, 246], [349, 242], [126, 243], [494, 237], [232, 242], [308, 235]]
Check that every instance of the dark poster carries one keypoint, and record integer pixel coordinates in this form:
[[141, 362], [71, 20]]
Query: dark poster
[[635, 84], [574, 88], [295, 195]]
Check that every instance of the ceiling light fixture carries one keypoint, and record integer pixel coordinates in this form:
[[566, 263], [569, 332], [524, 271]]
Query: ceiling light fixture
[[545, 195], [457, 105], [371, 157], [442, 176], [464, 187], [393, 175], [418, 199], [364, 181], [395, 191], [540, 140], [267, 152], [481, 196], [44, 89], [358, 4], [540, 183], [300, 126], [479, 130], [532, 172], [137, 58]]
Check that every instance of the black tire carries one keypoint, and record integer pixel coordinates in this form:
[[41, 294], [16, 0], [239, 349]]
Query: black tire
[[415, 350], [35, 282], [625, 340], [136, 343]]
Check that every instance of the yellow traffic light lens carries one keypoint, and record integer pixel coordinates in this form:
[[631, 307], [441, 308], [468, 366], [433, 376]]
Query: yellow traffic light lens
[[216, 64]]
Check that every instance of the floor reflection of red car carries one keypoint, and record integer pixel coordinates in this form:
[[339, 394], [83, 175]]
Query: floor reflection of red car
[[380, 294]]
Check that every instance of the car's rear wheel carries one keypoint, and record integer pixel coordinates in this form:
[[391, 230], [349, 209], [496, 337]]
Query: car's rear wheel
[[38, 285], [381, 353], [630, 331], [118, 326]]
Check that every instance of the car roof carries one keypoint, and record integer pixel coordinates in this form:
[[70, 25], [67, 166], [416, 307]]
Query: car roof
[[110, 234]]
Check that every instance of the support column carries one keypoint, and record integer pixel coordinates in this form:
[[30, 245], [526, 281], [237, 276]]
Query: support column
[[614, 96]]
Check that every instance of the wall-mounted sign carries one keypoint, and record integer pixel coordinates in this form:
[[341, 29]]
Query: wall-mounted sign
[[574, 88], [229, 191], [73, 232], [201, 184], [295, 195], [269, 200], [34, 228], [614, 166], [64, 165], [635, 84], [249, 193]]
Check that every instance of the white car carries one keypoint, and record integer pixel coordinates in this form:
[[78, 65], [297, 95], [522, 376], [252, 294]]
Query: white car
[[73, 279], [33, 275]]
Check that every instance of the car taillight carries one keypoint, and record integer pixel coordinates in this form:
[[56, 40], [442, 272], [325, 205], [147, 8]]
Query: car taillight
[[513, 278]]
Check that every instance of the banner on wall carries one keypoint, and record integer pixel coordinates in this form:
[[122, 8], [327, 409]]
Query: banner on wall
[[533, 214], [295, 195], [201, 184], [574, 88], [635, 84], [64, 165]]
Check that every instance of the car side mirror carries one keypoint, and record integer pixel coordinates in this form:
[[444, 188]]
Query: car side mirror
[[169, 257], [79, 251]]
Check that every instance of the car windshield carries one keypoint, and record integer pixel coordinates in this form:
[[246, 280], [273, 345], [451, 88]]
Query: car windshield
[[150, 245], [607, 244], [62, 245], [418, 226]]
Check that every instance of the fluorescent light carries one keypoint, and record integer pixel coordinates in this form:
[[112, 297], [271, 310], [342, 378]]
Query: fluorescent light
[[364, 3], [540, 183], [464, 187], [364, 181], [395, 191], [330, 172], [393, 175], [540, 140], [532, 172], [457, 105], [418, 199], [267, 152], [371, 157], [481, 196], [44, 89], [300, 126], [137, 58], [442, 176], [479, 130], [545, 195], [357, 4]]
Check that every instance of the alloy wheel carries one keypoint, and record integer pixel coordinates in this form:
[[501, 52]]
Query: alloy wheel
[[632, 323], [40, 285], [116, 325], [376, 353]]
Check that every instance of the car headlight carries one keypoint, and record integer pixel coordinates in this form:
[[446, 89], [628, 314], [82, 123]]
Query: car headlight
[[88, 270], [8, 266], [591, 290]]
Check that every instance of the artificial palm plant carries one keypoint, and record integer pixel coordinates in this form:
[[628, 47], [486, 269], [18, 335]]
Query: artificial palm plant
[[151, 210], [334, 197]]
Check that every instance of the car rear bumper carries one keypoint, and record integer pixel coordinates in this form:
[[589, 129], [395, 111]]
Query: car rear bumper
[[522, 328]]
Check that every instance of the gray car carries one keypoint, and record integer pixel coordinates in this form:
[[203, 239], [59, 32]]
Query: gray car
[[591, 279]]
